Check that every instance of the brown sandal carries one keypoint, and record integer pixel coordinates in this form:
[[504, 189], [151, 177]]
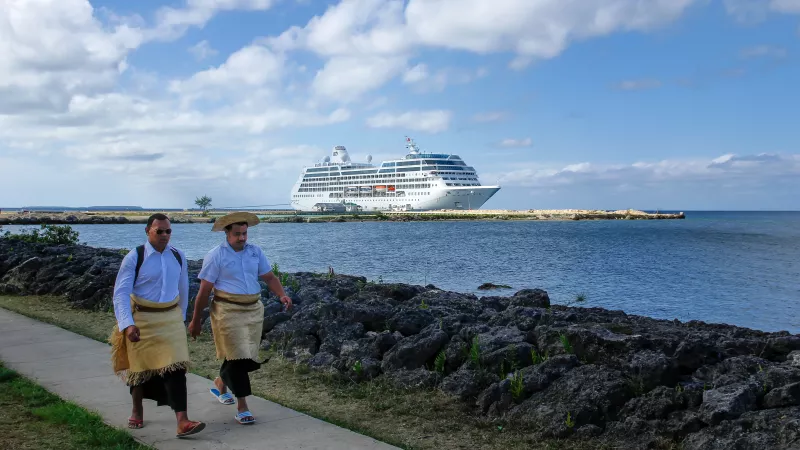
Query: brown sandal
[[191, 428]]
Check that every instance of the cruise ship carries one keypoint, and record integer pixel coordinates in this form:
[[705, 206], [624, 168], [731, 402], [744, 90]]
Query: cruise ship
[[420, 181]]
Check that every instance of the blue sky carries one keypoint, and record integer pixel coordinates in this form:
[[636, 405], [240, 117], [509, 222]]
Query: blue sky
[[671, 104]]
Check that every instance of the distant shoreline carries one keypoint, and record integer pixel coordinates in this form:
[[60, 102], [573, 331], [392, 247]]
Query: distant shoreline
[[137, 217]]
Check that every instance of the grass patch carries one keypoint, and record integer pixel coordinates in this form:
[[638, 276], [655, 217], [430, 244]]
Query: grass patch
[[407, 419], [33, 418]]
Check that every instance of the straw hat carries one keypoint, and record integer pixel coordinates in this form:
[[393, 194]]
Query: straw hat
[[224, 221]]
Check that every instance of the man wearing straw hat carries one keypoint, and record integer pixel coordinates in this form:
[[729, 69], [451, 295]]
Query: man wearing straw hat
[[149, 349], [231, 271]]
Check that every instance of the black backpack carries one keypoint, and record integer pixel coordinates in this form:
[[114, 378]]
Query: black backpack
[[140, 260]]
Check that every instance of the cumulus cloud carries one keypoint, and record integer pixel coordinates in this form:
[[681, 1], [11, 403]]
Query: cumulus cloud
[[251, 67], [65, 111], [535, 29], [389, 31], [346, 78], [427, 121], [51, 50], [171, 23]]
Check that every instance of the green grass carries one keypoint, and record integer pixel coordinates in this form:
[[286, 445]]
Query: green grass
[[408, 419], [33, 418]]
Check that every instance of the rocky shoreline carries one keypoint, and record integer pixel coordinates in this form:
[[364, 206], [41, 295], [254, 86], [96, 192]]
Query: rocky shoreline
[[86, 219], [76, 218], [560, 372]]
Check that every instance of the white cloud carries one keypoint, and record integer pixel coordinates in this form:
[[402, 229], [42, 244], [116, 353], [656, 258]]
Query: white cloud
[[346, 78], [202, 50], [416, 74], [754, 11], [363, 32], [171, 23], [423, 80], [747, 11], [352, 27], [52, 50], [786, 6], [250, 67], [638, 85], [427, 121], [531, 28], [762, 51], [515, 143], [726, 168]]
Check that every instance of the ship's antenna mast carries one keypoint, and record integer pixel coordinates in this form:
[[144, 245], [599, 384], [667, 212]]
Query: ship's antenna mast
[[411, 146]]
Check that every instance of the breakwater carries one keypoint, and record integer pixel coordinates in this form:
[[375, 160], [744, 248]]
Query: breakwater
[[558, 371], [122, 217]]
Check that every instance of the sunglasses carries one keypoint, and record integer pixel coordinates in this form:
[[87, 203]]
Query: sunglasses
[[168, 231]]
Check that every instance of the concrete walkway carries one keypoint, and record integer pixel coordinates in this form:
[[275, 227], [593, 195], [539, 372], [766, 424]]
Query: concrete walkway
[[78, 369]]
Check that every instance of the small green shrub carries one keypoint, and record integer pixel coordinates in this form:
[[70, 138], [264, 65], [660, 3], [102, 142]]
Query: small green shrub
[[517, 385], [47, 234], [475, 352], [438, 364]]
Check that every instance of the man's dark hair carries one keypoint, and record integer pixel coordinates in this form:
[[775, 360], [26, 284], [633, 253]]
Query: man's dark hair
[[228, 227], [154, 217]]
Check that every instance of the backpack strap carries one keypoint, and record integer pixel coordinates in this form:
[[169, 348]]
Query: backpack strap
[[140, 260], [177, 256]]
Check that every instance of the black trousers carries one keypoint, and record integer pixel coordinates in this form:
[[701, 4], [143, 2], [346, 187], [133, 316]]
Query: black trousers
[[235, 375], [168, 389]]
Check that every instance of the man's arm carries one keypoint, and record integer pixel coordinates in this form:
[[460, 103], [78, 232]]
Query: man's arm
[[208, 275], [183, 285], [274, 284], [201, 301], [123, 287]]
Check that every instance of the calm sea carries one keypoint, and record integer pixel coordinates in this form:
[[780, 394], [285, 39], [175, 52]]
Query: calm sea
[[741, 268]]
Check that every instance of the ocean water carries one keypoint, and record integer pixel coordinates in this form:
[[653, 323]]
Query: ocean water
[[741, 268]]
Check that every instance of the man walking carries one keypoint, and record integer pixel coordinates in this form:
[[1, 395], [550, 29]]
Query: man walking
[[150, 349], [232, 270]]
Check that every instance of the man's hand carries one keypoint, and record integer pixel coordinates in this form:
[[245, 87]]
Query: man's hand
[[132, 333], [195, 327], [287, 302]]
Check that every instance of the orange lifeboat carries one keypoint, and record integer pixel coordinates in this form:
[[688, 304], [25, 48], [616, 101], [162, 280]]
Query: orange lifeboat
[[391, 188], [380, 188]]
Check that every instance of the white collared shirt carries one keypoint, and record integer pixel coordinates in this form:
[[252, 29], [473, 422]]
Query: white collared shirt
[[161, 278], [235, 272]]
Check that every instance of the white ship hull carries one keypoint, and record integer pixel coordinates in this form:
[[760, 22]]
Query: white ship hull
[[471, 197], [420, 181]]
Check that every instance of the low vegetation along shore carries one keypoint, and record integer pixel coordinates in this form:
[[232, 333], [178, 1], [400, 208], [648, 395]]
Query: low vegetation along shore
[[424, 368], [124, 217]]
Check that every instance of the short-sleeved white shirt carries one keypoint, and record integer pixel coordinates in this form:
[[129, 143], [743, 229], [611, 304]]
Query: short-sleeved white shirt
[[235, 272]]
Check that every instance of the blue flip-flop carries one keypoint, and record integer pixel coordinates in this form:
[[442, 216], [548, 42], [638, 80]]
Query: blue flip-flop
[[225, 399], [241, 416]]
